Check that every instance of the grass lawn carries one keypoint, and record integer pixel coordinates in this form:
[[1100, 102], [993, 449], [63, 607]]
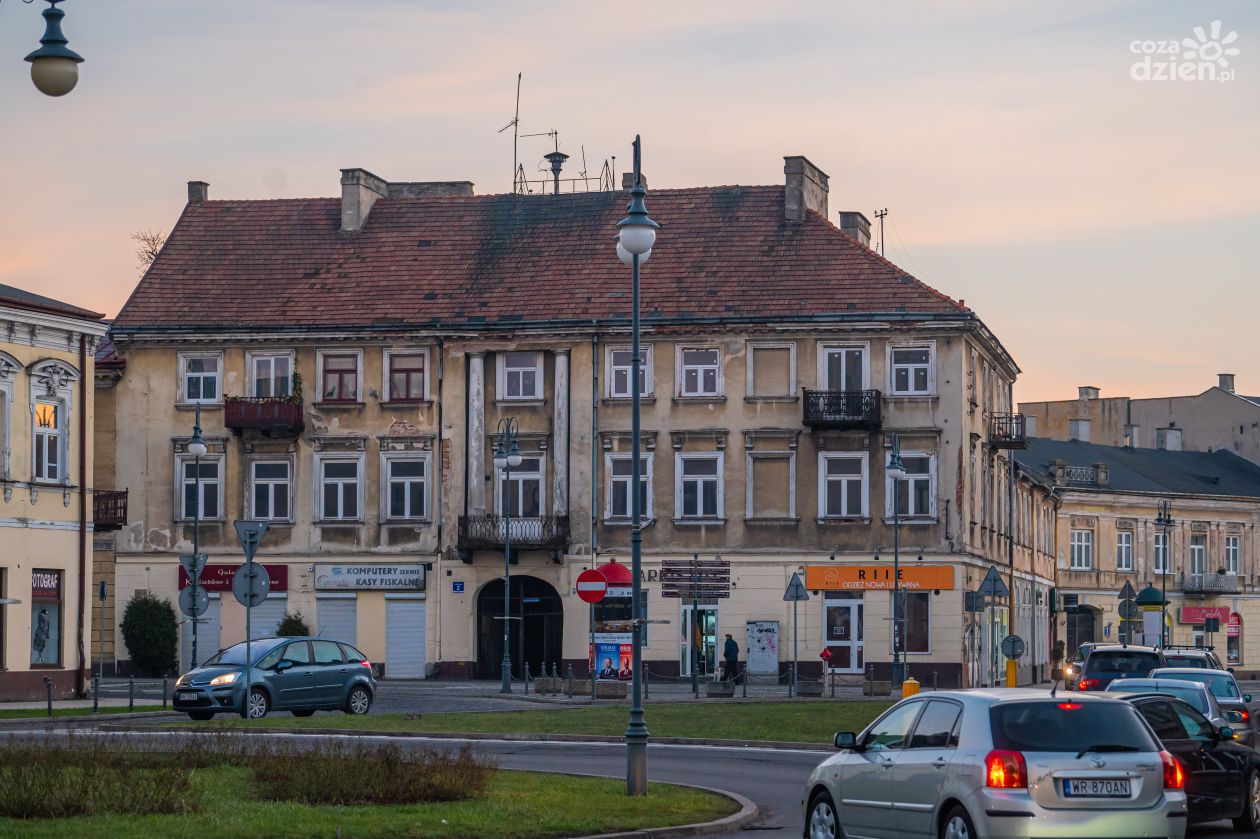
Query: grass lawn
[[801, 722], [518, 804], [26, 713]]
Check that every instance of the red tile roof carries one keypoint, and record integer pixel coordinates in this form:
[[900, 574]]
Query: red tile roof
[[501, 260]]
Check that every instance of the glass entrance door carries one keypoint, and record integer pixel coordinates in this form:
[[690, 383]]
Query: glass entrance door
[[705, 649], [844, 634]]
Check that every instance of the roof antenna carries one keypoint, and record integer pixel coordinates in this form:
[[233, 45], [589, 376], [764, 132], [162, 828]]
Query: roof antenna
[[879, 214], [515, 126]]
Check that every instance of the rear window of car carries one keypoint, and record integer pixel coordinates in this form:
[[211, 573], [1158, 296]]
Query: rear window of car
[[352, 654], [1222, 685], [1185, 661], [1122, 661], [1067, 726], [1191, 696]]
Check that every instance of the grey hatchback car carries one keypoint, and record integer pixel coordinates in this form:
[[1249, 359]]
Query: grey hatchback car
[[300, 675]]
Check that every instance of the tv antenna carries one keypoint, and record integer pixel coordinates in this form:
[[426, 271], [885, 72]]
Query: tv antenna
[[516, 131], [879, 214]]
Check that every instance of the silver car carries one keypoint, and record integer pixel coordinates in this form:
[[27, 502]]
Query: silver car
[[999, 763], [1223, 685], [1194, 694]]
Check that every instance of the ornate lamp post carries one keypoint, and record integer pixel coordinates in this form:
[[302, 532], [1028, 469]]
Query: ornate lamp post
[[636, 233], [896, 470], [1165, 520], [506, 455], [54, 66]]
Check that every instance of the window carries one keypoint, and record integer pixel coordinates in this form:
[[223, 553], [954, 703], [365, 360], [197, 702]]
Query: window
[[911, 370], [1168, 439], [1233, 554], [1078, 429], [201, 499], [891, 731], [201, 375], [771, 371], [620, 480], [520, 489], [843, 368], [408, 487], [1198, 554], [520, 375], [271, 376], [843, 489], [338, 490], [270, 490], [49, 440], [916, 623], [1082, 550], [327, 652], [1161, 553], [6, 406], [340, 381], [770, 491], [938, 727], [1163, 720], [700, 371], [619, 372], [699, 486], [1124, 550], [405, 377], [915, 494], [45, 618]]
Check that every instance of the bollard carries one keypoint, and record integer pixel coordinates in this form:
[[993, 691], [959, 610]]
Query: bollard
[[48, 690], [555, 678], [934, 680], [131, 693], [833, 684], [646, 680], [569, 689], [96, 696], [909, 687], [526, 678], [164, 693], [745, 680]]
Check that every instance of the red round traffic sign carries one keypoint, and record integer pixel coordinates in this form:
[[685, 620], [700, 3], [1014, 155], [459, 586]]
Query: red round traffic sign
[[591, 586]]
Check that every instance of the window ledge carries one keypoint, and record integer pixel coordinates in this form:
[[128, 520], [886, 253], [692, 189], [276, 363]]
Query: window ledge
[[772, 521], [522, 403], [202, 520], [680, 521], [834, 520], [786, 398], [888, 519], [913, 397], [395, 403], [628, 400], [618, 521], [192, 406], [338, 522], [406, 522], [349, 405], [684, 400]]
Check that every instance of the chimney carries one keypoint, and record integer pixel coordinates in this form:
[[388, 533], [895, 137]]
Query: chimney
[[806, 189], [1225, 381], [198, 192], [359, 191], [1087, 392], [856, 226], [557, 159], [627, 180], [1102, 474]]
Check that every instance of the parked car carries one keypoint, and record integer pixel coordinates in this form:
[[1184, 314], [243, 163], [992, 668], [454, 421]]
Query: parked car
[[1228, 695], [956, 764], [1194, 694], [1203, 657], [1222, 776], [1072, 670], [301, 675], [1117, 661]]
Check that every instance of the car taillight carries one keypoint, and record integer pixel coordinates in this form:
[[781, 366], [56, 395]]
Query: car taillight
[[1243, 715], [1069, 706], [365, 663], [1086, 684], [1005, 770], [1174, 777]]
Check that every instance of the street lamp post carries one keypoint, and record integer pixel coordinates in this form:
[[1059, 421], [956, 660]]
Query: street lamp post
[[54, 66], [897, 471], [506, 455], [1165, 520], [196, 448], [636, 233]]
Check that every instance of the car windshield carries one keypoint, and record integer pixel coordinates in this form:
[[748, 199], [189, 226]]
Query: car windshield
[[1068, 726], [1184, 661], [1222, 685], [235, 654], [1132, 662], [1190, 695]]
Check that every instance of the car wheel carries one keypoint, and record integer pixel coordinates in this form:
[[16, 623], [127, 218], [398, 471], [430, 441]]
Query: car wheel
[[303, 713], [358, 702], [822, 822], [200, 716], [259, 704], [1249, 821], [958, 825]]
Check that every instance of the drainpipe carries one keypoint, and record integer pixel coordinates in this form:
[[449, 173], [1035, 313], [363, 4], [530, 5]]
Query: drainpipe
[[595, 447], [440, 496], [79, 678]]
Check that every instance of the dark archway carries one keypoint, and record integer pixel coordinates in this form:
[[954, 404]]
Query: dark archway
[[1081, 627], [535, 640]]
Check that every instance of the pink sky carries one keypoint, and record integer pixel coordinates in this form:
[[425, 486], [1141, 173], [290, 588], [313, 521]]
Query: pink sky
[[1101, 226]]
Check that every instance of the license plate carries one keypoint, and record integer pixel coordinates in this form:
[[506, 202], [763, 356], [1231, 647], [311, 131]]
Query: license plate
[[1096, 788], [187, 696]]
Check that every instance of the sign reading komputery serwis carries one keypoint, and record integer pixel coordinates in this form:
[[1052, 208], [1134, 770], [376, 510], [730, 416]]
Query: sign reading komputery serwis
[[369, 577]]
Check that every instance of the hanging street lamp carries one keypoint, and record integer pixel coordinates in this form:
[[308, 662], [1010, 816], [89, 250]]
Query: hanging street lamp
[[54, 66]]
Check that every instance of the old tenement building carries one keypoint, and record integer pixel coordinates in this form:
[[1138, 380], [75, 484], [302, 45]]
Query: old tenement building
[[352, 359]]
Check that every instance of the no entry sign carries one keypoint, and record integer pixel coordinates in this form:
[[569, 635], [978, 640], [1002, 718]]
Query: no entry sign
[[591, 586]]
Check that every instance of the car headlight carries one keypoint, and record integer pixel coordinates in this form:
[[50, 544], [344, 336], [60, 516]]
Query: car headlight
[[225, 679], [180, 680]]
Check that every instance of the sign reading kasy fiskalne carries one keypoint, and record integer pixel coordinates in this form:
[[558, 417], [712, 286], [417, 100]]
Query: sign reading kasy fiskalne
[[877, 577], [369, 577]]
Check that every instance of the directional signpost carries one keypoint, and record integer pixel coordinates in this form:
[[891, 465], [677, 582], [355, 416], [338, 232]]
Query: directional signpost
[[250, 585], [693, 579], [991, 588], [193, 565], [795, 594]]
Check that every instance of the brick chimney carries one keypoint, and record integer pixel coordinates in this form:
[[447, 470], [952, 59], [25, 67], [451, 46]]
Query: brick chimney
[[856, 226], [360, 189], [627, 180], [806, 189], [1225, 381], [198, 192]]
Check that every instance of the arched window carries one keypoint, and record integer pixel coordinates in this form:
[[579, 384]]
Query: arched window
[[52, 397]]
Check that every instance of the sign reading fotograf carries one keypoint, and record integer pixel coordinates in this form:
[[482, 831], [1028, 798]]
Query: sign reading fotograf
[[369, 577], [879, 577]]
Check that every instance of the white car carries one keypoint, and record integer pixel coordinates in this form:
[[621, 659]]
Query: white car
[[999, 763]]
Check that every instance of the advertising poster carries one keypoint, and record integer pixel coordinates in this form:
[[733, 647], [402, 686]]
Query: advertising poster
[[613, 653]]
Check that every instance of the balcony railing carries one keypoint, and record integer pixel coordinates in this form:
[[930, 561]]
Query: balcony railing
[[526, 532], [1081, 475], [1209, 583], [266, 415], [844, 409], [1007, 431], [109, 509]]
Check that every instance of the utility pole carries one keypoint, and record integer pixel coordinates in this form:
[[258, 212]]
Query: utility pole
[[879, 214]]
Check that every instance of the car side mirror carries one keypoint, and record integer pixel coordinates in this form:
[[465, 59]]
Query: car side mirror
[[846, 740], [283, 665], [1230, 669], [1225, 733], [1246, 697]]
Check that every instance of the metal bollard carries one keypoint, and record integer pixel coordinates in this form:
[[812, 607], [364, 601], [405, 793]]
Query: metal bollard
[[48, 690], [833, 684], [131, 693], [555, 678], [934, 680], [164, 693], [745, 680], [569, 690], [96, 696], [647, 691], [527, 678]]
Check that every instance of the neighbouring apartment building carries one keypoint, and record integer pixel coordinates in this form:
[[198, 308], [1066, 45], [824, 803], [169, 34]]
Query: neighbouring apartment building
[[1205, 564], [352, 360], [46, 510], [1219, 418]]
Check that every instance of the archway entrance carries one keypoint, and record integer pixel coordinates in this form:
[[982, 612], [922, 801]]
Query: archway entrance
[[1081, 628], [534, 640]]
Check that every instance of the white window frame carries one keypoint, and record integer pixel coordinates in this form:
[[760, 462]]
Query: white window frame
[[827, 347], [648, 512], [184, 358], [360, 395], [55, 439], [387, 394], [749, 489], [252, 358], [320, 460], [1124, 550], [182, 459], [541, 457], [251, 487], [680, 372], [502, 372], [386, 488], [861, 457], [930, 346], [6, 427], [889, 489], [789, 390], [53, 381], [679, 459], [645, 370], [1081, 550], [1233, 554], [1198, 553], [1159, 553]]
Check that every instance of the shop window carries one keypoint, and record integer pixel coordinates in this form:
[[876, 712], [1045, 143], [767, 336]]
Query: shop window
[[1233, 640], [916, 623], [46, 618]]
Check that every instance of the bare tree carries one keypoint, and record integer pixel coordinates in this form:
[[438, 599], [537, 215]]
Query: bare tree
[[148, 244]]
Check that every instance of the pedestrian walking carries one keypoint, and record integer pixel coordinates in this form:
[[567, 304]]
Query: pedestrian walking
[[730, 658]]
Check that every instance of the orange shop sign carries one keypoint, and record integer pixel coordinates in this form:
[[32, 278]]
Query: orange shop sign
[[878, 577]]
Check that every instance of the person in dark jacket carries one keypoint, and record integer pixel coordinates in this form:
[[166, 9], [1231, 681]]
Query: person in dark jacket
[[730, 658]]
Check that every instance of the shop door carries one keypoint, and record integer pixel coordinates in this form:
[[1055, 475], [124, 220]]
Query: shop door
[[704, 653], [844, 635], [337, 618], [404, 637]]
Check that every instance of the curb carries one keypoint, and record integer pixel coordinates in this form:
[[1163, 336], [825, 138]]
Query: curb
[[747, 813], [46, 720]]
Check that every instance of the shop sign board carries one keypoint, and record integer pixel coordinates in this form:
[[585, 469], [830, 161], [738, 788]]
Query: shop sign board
[[369, 577], [1200, 614], [878, 577], [218, 576]]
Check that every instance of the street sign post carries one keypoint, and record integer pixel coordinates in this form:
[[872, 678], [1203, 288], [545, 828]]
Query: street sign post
[[253, 585], [193, 602], [696, 579], [1129, 609], [101, 634], [795, 594], [592, 586], [1127, 592], [991, 588], [1013, 647]]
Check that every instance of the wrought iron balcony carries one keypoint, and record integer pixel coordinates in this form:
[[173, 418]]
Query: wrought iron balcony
[[109, 509], [1007, 431], [1209, 583], [487, 532], [270, 416], [842, 409]]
